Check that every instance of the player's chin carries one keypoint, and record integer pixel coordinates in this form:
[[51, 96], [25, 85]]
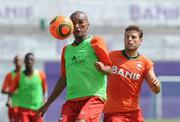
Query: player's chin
[[130, 48], [79, 35]]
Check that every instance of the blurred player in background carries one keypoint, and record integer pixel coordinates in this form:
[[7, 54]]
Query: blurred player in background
[[12, 111], [30, 87], [86, 84], [130, 68]]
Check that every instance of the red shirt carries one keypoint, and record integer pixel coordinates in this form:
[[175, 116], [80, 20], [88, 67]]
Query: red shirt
[[7, 82], [124, 84]]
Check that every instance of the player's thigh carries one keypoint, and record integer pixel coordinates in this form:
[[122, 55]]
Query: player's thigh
[[69, 112], [37, 119], [14, 116], [10, 114], [114, 117], [137, 116], [81, 120], [132, 116], [23, 117], [66, 118], [92, 110]]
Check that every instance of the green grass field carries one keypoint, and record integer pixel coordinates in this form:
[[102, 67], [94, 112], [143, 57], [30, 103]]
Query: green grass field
[[166, 120]]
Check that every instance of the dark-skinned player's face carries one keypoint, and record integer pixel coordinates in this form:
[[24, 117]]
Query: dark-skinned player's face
[[29, 61], [81, 25]]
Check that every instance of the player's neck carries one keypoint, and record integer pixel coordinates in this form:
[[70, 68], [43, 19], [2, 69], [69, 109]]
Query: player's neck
[[28, 71], [78, 40], [131, 53], [18, 69]]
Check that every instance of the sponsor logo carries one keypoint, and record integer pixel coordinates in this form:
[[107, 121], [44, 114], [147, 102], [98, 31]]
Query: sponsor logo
[[77, 60], [125, 73], [139, 66]]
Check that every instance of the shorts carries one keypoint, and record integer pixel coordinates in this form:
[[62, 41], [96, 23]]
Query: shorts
[[12, 114], [89, 109], [132, 116], [28, 115]]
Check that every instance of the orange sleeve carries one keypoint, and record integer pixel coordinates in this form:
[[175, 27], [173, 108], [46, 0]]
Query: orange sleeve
[[100, 49], [63, 69], [149, 65], [6, 83], [15, 83], [44, 82]]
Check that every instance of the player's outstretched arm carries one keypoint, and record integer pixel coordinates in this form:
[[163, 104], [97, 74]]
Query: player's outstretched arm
[[102, 68], [152, 81], [60, 85]]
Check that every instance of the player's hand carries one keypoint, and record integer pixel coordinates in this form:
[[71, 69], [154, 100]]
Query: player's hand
[[102, 68], [40, 112], [155, 82], [7, 104], [99, 66], [155, 86]]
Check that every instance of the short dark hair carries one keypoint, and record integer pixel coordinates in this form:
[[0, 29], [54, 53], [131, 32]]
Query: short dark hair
[[28, 55], [136, 28], [77, 13]]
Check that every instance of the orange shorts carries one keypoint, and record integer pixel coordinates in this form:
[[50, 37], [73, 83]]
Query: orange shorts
[[133, 116], [28, 115], [89, 109], [12, 114]]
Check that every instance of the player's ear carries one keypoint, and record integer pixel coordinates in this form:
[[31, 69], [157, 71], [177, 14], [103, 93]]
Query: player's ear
[[141, 39], [88, 25]]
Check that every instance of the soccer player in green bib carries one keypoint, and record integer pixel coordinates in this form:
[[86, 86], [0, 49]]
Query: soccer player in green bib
[[82, 74], [29, 89]]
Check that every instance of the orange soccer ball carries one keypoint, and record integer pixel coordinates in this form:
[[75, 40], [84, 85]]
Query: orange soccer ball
[[61, 27]]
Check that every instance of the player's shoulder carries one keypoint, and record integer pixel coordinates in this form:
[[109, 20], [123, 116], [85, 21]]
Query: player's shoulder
[[145, 58], [9, 74], [115, 52], [18, 75], [97, 38], [40, 71]]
